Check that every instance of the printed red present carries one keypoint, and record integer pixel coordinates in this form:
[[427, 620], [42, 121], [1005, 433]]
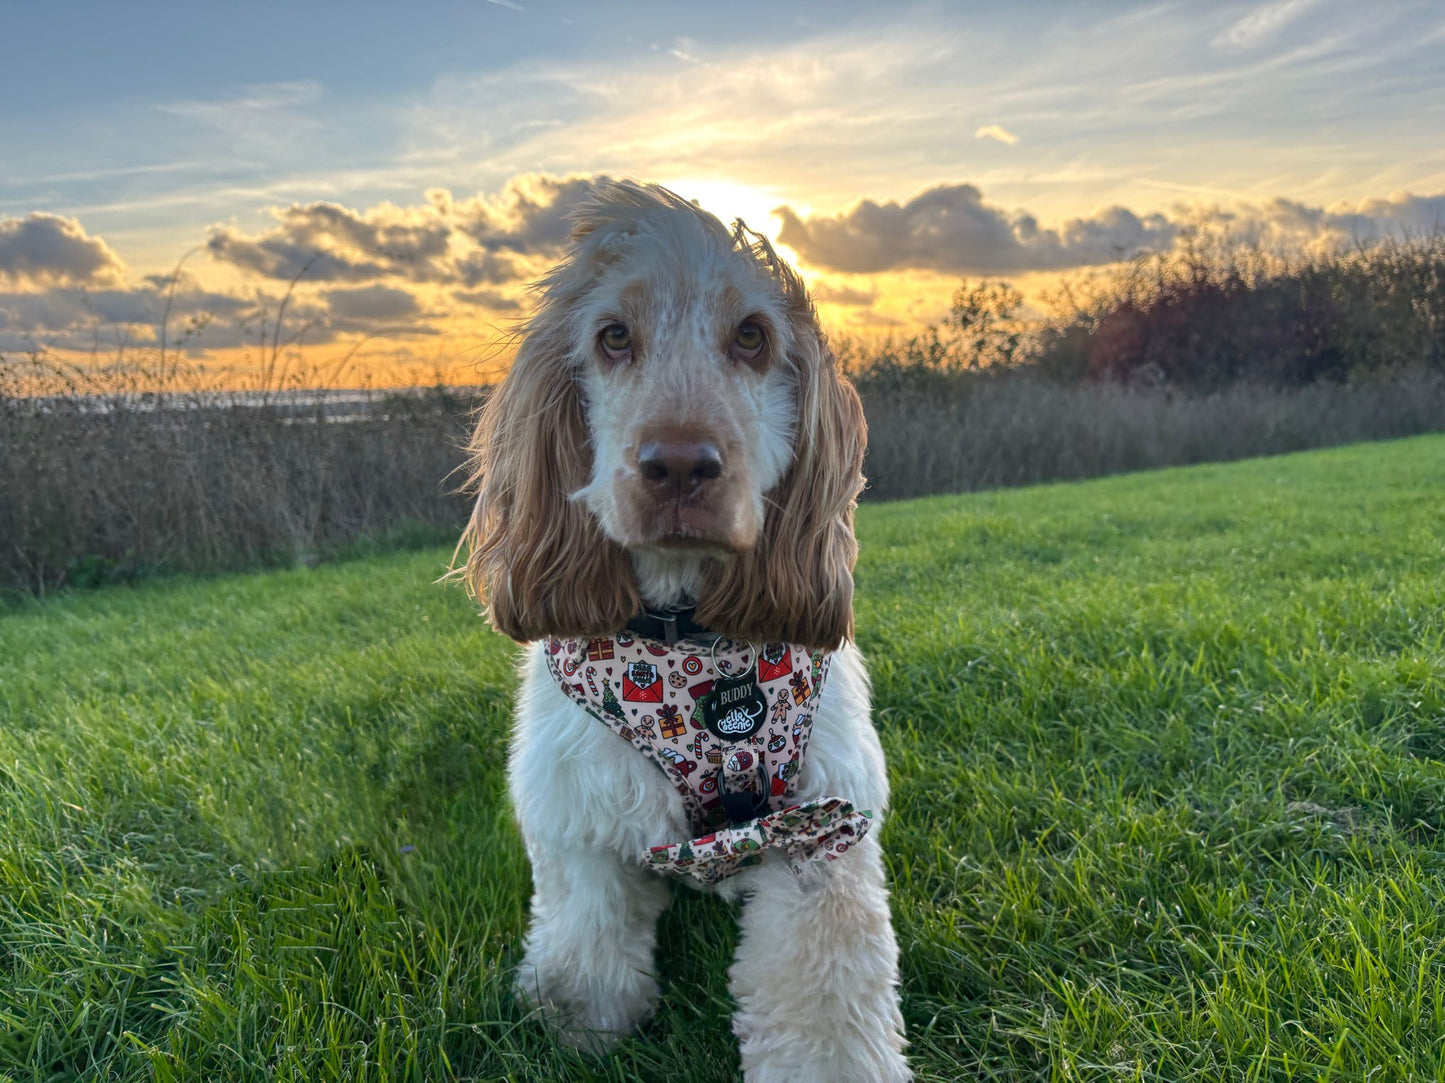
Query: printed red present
[[776, 662], [599, 650], [641, 683]]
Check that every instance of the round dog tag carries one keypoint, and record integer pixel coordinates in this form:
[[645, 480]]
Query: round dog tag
[[735, 707]]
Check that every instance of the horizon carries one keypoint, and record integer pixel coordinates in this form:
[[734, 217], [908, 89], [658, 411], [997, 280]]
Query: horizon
[[412, 177]]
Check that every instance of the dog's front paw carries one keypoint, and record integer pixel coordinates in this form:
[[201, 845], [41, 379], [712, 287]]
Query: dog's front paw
[[584, 1016], [863, 1052]]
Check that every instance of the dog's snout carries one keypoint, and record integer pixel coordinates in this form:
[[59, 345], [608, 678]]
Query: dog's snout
[[679, 466]]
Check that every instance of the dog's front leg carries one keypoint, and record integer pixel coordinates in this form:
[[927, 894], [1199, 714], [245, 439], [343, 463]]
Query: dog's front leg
[[588, 961], [816, 975]]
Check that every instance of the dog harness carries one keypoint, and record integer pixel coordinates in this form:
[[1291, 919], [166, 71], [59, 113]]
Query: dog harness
[[729, 726]]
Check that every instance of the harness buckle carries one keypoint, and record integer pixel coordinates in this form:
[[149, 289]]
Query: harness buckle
[[743, 805]]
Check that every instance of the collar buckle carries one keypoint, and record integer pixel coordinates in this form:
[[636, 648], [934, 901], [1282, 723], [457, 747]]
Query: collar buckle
[[668, 625]]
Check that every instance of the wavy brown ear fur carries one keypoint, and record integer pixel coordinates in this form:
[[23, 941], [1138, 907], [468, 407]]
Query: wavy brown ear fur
[[796, 585], [534, 556]]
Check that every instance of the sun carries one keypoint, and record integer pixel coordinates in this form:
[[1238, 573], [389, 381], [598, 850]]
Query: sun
[[730, 199]]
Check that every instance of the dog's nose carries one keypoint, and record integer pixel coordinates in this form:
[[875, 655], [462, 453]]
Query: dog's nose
[[680, 467]]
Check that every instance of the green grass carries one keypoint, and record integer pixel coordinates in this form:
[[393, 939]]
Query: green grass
[[1169, 802]]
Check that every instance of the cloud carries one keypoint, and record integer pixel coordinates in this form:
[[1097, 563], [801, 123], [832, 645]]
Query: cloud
[[529, 216], [1400, 214], [482, 266], [835, 294], [405, 271], [998, 132], [75, 318], [48, 250], [352, 268], [487, 299], [874, 320], [266, 120], [952, 229], [198, 320], [372, 304], [1263, 23], [257, 99], [1287, 224], [471, 242], [325, 242], [687, 50]]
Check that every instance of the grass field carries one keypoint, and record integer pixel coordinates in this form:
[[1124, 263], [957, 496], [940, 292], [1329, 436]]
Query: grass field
[[1168, 755]]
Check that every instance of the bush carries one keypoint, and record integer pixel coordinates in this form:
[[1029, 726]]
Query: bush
[[1206, 317]]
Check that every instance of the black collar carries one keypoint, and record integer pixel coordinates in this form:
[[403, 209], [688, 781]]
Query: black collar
[[669, 625]]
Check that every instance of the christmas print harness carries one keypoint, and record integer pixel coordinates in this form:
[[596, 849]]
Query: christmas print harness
[[729, 726]]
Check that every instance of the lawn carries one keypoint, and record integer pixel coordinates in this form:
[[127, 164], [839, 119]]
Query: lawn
[[1168, 754]]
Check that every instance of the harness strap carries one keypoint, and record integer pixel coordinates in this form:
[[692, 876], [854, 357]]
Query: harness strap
[[669, 625]]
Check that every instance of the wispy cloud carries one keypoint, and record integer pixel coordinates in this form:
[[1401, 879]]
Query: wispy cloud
[[271, 117], [997, 132], [1263, 23], [262, 98], [112, 172], [688, 51]]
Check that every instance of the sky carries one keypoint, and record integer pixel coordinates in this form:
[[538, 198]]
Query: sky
[[171, 169]]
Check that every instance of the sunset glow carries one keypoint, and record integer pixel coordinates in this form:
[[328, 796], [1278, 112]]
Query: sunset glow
[[411, 178]]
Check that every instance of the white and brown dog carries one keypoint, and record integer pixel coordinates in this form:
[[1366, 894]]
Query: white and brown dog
[[670, 467]]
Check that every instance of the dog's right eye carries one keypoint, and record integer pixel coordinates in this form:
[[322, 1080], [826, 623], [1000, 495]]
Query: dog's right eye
[[616, 342]]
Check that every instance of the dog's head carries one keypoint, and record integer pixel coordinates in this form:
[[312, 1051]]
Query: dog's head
[[672, 395]]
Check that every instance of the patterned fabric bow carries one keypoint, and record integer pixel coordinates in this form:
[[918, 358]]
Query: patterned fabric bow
[[809, 831]]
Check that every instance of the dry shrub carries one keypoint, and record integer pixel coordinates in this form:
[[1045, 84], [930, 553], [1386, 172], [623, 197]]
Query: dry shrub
[[108, 482], [941, 433]]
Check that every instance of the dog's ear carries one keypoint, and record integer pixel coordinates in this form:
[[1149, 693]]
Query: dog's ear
[[536, 557], [796, 584]]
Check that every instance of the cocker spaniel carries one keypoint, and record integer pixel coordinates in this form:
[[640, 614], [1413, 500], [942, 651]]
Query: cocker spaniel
[[666, 482]]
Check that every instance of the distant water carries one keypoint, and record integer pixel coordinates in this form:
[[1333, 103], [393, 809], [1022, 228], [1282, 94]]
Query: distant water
[[335, 404]]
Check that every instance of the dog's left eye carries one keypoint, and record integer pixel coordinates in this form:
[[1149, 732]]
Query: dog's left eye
[[616, 341], [748, 340]]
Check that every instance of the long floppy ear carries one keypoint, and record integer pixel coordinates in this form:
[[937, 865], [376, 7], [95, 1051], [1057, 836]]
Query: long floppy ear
[[796, 584], [535, 557]]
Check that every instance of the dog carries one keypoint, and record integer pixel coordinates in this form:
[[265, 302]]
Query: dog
[[666, 480]]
